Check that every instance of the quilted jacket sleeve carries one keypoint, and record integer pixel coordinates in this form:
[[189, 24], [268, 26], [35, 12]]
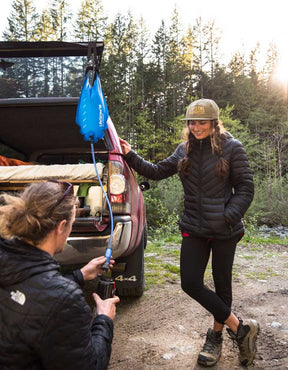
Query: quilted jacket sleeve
[[242, 182], [71, 340], [76, 276], [158, 171]]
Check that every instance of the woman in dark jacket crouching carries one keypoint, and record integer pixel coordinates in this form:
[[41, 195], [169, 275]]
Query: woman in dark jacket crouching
[[45, 321], [218, 189]]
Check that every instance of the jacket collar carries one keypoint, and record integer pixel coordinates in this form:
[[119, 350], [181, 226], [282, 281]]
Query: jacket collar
[[203, 143], [20, 260]]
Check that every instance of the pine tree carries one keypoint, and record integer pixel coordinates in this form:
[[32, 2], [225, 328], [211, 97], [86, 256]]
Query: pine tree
[[91, 22], [22, 24], [206, 50], [236, 66], [118, 71], [60, 16], [269, 68], [44, 30], [175, 72], [158, 68], [142, 53], [22, 21], [213, 46]]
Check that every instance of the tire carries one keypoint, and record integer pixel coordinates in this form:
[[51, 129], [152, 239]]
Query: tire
[[131, 282]]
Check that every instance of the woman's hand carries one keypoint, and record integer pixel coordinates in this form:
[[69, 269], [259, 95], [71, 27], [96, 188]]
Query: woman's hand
[[126, 147], [107, 306], [93, 268]]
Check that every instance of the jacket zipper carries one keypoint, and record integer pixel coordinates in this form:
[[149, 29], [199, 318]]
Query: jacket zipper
[[200, 187]]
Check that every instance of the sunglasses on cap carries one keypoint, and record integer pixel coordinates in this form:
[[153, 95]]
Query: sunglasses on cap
[[67, 190]]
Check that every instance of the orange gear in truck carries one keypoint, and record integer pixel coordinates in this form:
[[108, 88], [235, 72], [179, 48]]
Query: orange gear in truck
[[4, 161]]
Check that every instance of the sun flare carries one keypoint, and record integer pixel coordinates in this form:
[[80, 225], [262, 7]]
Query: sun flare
[[281, 72]]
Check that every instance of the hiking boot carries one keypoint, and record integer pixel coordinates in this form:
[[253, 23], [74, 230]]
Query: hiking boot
[[246, 340], [211, 351]]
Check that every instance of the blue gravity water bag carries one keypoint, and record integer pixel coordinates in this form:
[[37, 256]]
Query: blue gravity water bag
[[92, 115], [92, 111]]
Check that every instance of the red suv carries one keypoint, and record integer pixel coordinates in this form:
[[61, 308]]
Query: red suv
[[38, 128]]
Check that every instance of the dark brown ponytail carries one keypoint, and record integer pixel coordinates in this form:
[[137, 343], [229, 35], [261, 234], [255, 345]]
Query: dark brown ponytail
[[27, 216]]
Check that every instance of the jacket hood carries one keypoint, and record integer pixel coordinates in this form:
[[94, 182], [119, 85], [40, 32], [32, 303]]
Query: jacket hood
[[20, 260]]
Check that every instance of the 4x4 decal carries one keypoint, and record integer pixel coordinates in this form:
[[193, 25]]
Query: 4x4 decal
[[122, 278]]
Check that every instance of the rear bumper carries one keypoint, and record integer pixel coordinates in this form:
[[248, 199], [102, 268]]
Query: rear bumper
[[82, 249]]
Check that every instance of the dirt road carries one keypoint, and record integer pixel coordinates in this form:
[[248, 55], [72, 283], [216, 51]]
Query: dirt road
[[162, 329]]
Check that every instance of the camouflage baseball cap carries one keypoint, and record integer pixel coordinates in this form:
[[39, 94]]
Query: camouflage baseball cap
[[202, 109]]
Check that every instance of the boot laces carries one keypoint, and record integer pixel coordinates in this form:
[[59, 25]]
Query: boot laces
[[210, 343], [238, 341]]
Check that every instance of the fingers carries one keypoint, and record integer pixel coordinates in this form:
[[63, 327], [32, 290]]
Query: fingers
[[93, 268], [100, 260], [126, 147], [114, 299], [124, 143], [107, 306], [111, 263], [96, 297]]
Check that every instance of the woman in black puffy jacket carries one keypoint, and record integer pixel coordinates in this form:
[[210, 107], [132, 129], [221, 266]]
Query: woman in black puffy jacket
[[218, 189], [45, 322]]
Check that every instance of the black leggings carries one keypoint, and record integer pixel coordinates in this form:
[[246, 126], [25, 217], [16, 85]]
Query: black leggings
[[195, 254]]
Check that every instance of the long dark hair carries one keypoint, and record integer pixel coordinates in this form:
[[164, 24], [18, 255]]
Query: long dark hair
[[217, 137]]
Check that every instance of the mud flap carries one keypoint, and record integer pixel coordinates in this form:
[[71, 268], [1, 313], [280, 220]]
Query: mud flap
[[131, 282]]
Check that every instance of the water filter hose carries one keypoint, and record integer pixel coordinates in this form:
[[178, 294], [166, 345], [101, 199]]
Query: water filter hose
[[108, 251]]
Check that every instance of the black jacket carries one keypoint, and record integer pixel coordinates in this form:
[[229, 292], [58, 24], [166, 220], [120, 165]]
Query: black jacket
[[213, 206], [45, 322]]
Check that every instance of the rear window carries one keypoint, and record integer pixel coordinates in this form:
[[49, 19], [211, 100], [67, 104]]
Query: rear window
[[42, 77], [40, 84], [73, 158]]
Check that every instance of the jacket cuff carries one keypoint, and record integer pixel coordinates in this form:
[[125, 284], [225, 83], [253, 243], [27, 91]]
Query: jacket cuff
[[79, 278], [105, 318], [130, 155], [106, 322]]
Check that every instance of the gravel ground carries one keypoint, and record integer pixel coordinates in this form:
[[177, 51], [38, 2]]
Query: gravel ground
[[164, 328]]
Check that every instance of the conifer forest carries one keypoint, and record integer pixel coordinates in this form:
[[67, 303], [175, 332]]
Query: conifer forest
[[150, 79]]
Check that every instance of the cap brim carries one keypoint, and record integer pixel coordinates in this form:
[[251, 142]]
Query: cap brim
[[197, 119]]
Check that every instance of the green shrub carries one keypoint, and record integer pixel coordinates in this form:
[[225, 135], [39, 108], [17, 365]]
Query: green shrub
[[270, 203], [164, 204]]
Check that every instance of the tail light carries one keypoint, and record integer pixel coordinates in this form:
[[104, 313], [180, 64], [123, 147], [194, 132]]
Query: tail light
[[119, 188]]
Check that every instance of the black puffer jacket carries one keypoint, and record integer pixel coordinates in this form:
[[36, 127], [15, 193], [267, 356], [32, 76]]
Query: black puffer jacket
[[45, 322], [213, 206]]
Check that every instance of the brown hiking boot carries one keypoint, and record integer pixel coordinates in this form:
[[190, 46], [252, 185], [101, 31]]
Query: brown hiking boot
[[246, 340], [211, 351]]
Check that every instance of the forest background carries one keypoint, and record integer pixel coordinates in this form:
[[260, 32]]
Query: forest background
[[149, 82]]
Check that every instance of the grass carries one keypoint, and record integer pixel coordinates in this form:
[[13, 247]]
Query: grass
[[254, 239], [261, 275], [249, 257], [162, 263]]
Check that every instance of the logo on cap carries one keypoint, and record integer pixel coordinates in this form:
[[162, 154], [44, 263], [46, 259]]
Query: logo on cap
[[198, 109]]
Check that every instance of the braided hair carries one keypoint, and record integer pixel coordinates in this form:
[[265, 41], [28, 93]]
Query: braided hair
[[217, 137]]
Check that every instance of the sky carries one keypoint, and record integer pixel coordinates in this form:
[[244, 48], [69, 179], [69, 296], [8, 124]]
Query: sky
[[242, 23]]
